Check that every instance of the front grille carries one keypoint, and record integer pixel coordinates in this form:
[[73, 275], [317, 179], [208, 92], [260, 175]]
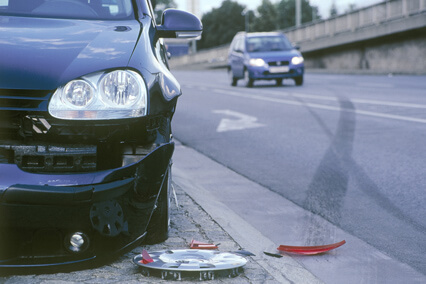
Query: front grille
[[278, 63], [24, 100], [50, 158]]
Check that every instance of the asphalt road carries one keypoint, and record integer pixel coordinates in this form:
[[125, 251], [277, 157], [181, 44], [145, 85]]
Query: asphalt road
[[348, 148]]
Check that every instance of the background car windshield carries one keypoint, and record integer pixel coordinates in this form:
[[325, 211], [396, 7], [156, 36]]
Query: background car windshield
[[270, 43], [72, 9]]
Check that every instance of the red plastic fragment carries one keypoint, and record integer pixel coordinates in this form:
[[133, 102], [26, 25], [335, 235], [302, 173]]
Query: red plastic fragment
[[200, 245], [146, 258], [308, 250]]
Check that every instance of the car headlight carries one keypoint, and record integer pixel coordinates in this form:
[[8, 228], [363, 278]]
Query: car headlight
[[297, 60], [78, 93], [258, 62], [101, 96]]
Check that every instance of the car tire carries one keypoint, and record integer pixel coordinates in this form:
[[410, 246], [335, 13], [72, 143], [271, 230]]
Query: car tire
[[279, 82], [248, 82], [231, 77], [158, 227], [298, 81]]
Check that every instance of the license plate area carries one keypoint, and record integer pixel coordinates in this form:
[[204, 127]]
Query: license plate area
[[279, 69]]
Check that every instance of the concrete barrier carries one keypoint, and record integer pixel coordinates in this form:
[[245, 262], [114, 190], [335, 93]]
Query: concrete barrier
[[210, 58]]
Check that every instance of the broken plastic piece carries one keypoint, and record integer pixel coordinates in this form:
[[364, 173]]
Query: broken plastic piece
[[200, 245], [273, 254], [308, 250], [146, 258]]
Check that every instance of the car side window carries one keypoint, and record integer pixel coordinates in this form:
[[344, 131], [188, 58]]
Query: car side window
[[239, 45]]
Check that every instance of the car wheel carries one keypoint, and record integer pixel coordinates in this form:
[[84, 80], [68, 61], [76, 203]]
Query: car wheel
[[158, 227], [298, 81], [248, 82], [231, 77], [279, 82]]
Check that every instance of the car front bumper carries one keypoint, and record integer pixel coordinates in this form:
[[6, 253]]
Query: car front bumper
[[264, 73], [51, 220]]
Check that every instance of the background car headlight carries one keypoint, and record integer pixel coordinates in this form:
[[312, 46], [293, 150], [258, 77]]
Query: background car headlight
[[101, 96], [297, 60], [259, 62]]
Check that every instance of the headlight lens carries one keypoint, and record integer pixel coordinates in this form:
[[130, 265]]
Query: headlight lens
[[120, 89], [259, 62], [78, 93], [101, 96], [297, 60]]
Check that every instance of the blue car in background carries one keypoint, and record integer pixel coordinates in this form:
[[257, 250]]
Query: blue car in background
[[86, 103], [264, 56]]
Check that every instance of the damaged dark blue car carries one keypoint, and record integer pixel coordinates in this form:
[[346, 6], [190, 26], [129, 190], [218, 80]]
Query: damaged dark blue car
[[86, 103]]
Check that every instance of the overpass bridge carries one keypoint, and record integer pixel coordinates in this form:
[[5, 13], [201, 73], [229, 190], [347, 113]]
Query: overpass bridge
[[388, 37]]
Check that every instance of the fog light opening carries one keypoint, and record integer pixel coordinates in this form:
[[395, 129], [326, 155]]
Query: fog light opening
[[77, 242]]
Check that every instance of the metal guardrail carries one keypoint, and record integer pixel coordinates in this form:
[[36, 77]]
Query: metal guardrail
[[358, 19]]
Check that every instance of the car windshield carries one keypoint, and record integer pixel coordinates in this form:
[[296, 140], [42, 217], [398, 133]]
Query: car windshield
[[69, 9], [267, 43]]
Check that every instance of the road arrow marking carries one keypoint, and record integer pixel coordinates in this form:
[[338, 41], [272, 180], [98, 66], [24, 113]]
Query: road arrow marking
[[240, 121]]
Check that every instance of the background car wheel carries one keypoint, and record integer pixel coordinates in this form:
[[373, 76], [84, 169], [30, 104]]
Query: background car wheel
[[231, 77], [298, 81], [158, 227], [279, 82], [247, 80]]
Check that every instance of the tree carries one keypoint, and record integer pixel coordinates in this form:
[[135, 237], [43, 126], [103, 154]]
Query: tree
[[333, 10], [267, 19], [287, 14], [351, 8], [282, 15], [221, 24]]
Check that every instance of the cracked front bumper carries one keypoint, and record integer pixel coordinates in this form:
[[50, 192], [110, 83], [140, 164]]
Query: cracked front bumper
[[49, 220]]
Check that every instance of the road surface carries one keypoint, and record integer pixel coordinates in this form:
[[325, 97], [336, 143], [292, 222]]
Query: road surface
[[347, 148]]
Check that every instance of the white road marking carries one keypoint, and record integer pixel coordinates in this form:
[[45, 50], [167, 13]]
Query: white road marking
[[319, 106], [375, 85], [330, 98], [241, 121], [361, 101]]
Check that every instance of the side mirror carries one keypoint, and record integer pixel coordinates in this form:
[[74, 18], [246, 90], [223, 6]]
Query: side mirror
[[179, 24]]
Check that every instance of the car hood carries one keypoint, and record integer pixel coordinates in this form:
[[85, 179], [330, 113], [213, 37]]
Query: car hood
[[275, 55], [42, 53]]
